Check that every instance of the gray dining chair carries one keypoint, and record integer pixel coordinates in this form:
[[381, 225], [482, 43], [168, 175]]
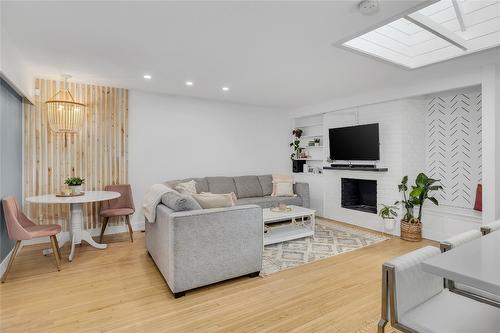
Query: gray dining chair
[[460, 288], [416, 301]]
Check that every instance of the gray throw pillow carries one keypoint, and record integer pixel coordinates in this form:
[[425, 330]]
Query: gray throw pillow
[[179, 202]]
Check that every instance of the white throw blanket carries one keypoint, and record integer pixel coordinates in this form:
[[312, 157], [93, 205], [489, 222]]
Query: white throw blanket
[[151, 199]]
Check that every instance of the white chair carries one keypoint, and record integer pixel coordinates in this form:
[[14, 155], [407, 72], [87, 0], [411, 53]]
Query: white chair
[[490, 227], [462, 289], [415, 301]]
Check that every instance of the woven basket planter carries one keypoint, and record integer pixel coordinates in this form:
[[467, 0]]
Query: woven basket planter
[[411, 232]]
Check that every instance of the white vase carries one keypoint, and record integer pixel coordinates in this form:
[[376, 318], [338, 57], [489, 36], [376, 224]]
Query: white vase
[[389, 224], [75, 189]]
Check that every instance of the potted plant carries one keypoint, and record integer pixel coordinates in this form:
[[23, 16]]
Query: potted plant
[[388, 214], [295, 144], [75, 184], [411, 226], [317, 142]]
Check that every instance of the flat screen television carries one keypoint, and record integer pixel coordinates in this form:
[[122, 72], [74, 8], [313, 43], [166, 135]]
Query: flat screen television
[[355, 143]]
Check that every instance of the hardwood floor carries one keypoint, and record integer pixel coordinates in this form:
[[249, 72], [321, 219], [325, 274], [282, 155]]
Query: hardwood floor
[[120, 290]]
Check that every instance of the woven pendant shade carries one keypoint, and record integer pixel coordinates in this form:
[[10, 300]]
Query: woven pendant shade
[[64, 114]]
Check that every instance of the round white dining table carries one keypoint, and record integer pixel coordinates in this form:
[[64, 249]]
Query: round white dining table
[[77, 234]]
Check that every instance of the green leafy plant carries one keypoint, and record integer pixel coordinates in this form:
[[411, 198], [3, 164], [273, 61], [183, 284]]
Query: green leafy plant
[[407, 202], [295, 144], [388, 212], [419, 193], [74, 181], [422, 192]]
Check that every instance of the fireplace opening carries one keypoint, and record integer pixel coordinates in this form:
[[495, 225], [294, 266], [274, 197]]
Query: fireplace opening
[[359, 194]]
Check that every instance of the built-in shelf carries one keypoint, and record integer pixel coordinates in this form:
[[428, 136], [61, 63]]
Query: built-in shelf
[[354, 168], [311, 136], [309, 159], [309, 147]]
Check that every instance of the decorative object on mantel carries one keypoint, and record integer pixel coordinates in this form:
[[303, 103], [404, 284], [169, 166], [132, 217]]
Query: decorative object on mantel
[[64, 114], [388, 214], [411, 226], [75, 184]]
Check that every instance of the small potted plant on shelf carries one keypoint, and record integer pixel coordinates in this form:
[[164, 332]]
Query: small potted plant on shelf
[[388, 214], [411, 226], [75, 184], [317, 142], [295, 144]]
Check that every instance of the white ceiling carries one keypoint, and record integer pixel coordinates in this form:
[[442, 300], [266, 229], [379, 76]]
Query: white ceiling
[[268, 53]]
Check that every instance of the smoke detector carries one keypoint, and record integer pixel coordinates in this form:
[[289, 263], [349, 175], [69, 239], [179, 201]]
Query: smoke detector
[[368, 7]]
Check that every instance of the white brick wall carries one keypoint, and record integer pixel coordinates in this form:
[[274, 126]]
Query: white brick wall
[[401, 125]]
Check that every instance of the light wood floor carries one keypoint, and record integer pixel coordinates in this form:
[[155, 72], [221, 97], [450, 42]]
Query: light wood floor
[[120, 290]]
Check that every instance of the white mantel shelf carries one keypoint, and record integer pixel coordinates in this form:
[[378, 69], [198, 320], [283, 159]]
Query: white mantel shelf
[[354, 168]]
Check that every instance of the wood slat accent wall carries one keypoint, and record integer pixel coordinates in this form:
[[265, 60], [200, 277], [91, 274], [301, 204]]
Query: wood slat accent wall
[[99, 152]]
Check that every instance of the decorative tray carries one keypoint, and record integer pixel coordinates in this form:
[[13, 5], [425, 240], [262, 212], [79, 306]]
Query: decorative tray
[[281, 210], [70, 195]]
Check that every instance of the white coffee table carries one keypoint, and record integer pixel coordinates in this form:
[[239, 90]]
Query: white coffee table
[[302, 224]]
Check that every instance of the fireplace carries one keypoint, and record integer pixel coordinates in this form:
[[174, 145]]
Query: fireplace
[[359, 194]]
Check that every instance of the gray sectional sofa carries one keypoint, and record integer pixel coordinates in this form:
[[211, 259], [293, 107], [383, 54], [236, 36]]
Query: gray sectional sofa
[[200, 247]]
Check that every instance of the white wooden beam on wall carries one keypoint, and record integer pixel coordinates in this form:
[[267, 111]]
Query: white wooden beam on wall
[[426, 23], [460, 14]]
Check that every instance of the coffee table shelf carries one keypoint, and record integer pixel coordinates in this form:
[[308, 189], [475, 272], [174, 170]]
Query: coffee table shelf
[[302, 222]]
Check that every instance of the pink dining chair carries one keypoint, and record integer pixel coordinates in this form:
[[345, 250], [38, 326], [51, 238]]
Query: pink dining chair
[[20, 228], [122, 206]]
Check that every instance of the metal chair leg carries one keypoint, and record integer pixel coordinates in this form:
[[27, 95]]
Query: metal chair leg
[[127, 218], [11, 260], [56, 252], [103, 228], [57, 246]]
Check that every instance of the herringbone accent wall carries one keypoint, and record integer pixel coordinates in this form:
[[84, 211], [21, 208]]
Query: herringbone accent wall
[[453, 124]]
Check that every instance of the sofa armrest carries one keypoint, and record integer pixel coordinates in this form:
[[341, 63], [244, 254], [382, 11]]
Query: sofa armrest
[[211, 245], [302, 190]]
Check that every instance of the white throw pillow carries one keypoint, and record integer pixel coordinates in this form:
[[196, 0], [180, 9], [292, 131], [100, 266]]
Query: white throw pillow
[[187, 187], [284, 189], [283, 186], [211, 200]]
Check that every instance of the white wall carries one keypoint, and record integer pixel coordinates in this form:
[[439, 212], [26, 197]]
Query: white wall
[[174, 138], [491, 143], [401, 124], [13, 68]]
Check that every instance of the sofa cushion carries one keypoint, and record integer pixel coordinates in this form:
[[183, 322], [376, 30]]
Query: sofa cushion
[[211, 200], [220, 185], [266, 183], [179, 202], [268, 201], [248, 186]]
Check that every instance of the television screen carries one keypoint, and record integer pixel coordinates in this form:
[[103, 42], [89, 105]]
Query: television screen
[[355, 143]]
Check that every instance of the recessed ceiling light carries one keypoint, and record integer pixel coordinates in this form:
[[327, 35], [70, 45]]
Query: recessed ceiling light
[[147, 76], [189, 83], [225, 88]]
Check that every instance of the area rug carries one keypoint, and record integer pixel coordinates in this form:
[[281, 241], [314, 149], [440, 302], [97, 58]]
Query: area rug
[[330, 239]]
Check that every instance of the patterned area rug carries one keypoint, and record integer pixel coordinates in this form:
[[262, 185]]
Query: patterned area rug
[[330, 239]]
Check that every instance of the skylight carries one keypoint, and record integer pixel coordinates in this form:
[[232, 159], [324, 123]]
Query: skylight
[[444, 30]]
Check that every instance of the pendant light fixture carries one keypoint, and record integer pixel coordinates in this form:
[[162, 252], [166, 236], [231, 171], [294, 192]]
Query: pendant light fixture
[[64, 114]]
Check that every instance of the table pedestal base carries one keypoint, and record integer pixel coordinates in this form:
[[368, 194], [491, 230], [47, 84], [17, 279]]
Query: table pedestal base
[[77, 234]]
